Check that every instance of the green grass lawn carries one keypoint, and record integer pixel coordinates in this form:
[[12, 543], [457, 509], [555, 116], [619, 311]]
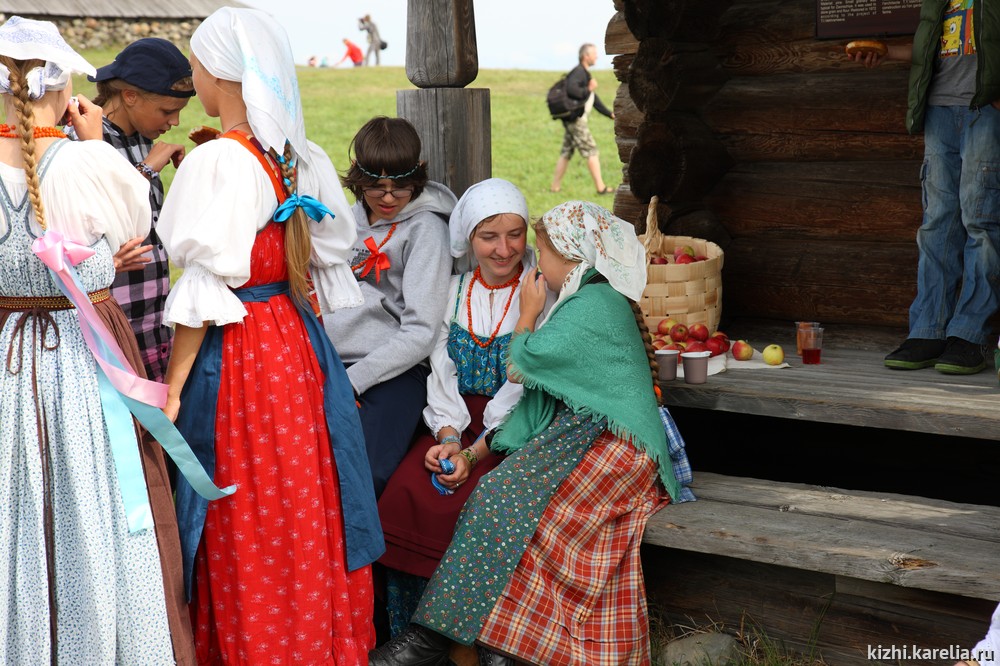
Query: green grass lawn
[[336, 102]]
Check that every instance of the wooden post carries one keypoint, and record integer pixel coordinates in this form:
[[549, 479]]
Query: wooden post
[[454, 129], [441, 43], [453, 122]]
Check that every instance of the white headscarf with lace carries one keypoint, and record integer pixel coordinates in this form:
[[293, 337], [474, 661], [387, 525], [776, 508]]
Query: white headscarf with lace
[[585, 232], [27, 39], [493, 196], [248, 46]]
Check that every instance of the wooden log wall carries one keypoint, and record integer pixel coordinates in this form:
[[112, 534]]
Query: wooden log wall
[[771, 143]]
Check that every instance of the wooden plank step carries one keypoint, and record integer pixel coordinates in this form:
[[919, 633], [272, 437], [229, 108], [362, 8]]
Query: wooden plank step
[[851, 387], [907, 541]]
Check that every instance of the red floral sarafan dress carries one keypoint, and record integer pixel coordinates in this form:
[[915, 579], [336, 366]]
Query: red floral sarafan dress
[[271, 583]]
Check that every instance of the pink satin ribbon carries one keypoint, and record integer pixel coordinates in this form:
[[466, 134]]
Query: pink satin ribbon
[[60, 254]]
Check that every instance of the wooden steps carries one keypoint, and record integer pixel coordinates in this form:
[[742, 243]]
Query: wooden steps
[[849, 569]]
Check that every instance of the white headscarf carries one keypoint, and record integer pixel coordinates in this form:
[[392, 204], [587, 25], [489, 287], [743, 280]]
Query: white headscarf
[[248, 46], [486, 198], [27, 39], [585, 232]]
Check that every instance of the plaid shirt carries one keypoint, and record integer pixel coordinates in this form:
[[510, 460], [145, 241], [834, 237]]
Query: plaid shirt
[[143, 293]]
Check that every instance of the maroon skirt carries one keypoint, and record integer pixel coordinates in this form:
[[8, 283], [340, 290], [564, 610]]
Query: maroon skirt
[[417, 521], [161, 499]]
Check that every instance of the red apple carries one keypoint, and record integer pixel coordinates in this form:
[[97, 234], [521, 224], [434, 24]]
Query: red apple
[[659, 344], [698, 332], [679, 346], [722, 336], [717, 345], [663, 328], [742, 351], [658, 260], [685, 259], [679, 333], [696, 346], [686, 249]]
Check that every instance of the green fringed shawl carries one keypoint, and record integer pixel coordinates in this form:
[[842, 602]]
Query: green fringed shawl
[[590, 355]]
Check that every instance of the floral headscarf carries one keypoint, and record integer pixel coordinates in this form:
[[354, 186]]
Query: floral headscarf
[[585, 232]]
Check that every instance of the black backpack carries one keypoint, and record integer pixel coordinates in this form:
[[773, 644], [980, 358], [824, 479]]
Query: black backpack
[[561, 105]]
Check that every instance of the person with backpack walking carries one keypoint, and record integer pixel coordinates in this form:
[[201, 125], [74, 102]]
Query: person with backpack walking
[[375, 43], [580, 87]]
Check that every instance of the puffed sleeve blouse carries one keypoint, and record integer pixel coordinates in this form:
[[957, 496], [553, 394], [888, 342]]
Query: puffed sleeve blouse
[[89, 191], [220, 198]]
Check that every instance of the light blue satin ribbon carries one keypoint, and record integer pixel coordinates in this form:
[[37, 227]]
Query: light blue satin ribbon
[[314, 208], [125, 448]]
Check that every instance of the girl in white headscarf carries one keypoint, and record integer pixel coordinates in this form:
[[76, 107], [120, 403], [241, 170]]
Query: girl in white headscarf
[[280, 570], [467, 391], [529, 574], [81, 571]]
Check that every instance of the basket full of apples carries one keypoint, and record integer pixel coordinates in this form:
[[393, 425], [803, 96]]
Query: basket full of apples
[[684, 278]]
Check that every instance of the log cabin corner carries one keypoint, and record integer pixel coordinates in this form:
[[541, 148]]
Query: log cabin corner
[[842, 505]]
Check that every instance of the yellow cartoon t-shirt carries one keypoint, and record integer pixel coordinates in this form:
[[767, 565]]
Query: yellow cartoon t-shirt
[[954, 82], [958, 38]]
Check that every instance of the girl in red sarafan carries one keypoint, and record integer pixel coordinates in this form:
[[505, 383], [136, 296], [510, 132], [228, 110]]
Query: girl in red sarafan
[[281, 569]]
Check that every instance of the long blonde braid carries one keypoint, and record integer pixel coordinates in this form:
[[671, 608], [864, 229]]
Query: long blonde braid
[[24, 110], [298, 243], [647, 341]]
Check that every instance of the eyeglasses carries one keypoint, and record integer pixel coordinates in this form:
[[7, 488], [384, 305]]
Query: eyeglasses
[[378, 192]]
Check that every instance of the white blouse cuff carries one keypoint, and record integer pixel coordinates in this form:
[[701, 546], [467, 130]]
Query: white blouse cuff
[[336, 287], [435, 421], [200, 296]]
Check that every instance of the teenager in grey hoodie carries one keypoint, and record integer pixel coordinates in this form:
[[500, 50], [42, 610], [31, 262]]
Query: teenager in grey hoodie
[[402, 264]]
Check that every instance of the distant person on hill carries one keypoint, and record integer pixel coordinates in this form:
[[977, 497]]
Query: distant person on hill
[[580, 85], [354, 53], [953, 98], [374, 39]]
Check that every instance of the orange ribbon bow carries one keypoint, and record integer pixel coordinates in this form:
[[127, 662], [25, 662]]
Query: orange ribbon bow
[[377, 260]]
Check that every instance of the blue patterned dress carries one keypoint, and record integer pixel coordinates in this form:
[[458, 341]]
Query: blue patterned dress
[[64, 539]]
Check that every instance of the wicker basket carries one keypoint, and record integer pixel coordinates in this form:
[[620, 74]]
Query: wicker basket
[[690, 293]]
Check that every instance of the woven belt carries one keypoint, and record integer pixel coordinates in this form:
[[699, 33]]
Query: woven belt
[[48, 302]]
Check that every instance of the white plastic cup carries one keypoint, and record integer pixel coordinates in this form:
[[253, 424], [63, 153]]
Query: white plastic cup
[[667, 360], [695, 367]]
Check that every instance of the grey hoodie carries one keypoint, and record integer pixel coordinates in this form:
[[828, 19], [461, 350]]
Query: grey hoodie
[[397, 325]]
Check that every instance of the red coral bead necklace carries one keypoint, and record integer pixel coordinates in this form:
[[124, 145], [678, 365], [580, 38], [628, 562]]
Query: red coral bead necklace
[[10, 132], [477, 276]]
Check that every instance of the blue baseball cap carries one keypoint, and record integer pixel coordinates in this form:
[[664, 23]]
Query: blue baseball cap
[[150, 64]]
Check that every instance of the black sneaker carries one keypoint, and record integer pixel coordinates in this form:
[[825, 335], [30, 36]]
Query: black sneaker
[[961, 357], [915, 353]]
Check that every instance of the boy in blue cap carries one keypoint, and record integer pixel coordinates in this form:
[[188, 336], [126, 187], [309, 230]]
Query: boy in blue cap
[[142, 94]]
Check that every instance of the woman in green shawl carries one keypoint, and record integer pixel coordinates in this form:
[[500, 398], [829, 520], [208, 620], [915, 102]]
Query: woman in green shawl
[[544, 565]]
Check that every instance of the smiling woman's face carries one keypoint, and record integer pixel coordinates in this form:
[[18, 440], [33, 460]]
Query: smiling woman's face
[[498, 244]]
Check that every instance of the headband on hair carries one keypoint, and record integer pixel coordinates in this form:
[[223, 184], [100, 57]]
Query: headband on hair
[[380, 177]]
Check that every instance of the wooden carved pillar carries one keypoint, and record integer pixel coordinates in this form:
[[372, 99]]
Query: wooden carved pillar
[[453, 121]]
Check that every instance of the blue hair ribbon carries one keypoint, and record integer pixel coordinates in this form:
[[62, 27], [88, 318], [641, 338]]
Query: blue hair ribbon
[[312, 207]]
